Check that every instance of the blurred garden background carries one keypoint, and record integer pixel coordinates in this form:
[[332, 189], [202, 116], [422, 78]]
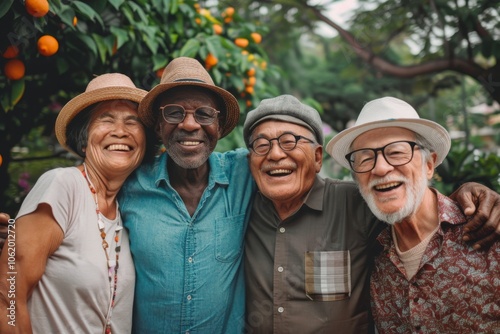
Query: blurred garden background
[[442, 56]]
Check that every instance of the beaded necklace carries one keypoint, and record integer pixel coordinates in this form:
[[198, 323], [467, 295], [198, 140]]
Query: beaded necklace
[[112, 263]]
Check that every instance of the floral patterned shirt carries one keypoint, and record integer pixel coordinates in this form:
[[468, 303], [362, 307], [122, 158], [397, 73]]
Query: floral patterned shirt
[[455, 290]]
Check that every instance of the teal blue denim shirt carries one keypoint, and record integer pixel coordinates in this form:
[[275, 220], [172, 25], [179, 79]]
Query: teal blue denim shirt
[[189, 269]]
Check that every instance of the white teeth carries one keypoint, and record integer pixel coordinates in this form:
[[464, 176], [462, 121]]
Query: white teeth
[[190, 143], [118, 147], [280, 171], [387, 185]]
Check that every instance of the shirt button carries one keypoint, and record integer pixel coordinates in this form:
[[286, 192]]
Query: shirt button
[[189, 297], [190, 259], [280, 269], [282, 229], [280, 309]]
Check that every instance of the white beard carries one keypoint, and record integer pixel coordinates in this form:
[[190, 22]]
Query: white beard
[[414, 195]]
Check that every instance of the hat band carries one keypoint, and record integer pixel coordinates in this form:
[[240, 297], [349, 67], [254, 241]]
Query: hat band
[[195, 80]]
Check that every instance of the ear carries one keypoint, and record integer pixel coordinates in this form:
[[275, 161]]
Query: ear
[[219, 130], [431, 165], [318, 158]]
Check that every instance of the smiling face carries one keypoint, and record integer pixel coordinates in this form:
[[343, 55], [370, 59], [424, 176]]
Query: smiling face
[[393, 193], [285, 177], [188, 143], [116, 138]]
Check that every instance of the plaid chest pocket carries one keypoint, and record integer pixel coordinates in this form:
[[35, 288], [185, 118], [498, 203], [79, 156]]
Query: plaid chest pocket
[[328, 275]]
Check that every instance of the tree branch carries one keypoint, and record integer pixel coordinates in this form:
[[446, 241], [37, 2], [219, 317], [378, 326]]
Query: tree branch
[[456, 64]]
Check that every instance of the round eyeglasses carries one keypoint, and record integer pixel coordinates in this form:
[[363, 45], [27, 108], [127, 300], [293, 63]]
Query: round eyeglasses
[[286, 141], [396, 154], [175, 114]]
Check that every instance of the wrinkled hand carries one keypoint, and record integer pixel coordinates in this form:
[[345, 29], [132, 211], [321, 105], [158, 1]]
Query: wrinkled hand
[[482, 206], [4, 222]]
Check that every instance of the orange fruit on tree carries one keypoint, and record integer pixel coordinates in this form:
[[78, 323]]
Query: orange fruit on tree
[[210, 61], [241, 42], [249, 89], [75, 21], [14, 69], [251, 81], [257, 38], [47, 45], [229, 11], [37, 8], [11, 52], [218, 29], [1, 160], [197, 20], [159, 72], [251, 72]]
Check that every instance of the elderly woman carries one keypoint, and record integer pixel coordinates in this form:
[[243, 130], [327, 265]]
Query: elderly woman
[[70, 269]]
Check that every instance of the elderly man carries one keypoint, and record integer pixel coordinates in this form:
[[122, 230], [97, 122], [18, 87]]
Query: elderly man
[[425, 279], [187, 212], [309, 240], [309, 243]]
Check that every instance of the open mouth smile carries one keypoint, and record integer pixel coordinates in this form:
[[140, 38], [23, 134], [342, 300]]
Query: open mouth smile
[[387, 186], [119, 147]]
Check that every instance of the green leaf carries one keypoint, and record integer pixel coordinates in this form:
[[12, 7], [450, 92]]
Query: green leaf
[[174, 6], [135, 7], [217, 76], [116, 3], [121, 36], [88, 41], [5, 6], [190, 49], [152, 44], [66, 15], [62, 66], [213, 45], [88, 11], [15, 94], [101, 47], [159, 61]]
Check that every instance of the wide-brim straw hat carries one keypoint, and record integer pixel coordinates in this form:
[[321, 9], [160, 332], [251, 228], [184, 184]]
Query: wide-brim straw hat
[[390, 112], [184, 71], [105, 87]]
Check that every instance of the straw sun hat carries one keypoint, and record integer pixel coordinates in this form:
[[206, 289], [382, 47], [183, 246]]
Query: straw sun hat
[[389, 112], [184, 71], [111, 86]]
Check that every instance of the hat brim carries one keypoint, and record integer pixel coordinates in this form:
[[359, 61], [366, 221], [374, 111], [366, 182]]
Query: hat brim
[[86, 99], [436, 135], [232, 112]]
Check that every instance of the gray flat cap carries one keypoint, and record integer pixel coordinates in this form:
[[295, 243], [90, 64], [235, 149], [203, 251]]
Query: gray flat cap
[[284, 108]]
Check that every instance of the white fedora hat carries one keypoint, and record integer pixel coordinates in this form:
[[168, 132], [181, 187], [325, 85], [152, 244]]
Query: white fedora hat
[[389, 112]]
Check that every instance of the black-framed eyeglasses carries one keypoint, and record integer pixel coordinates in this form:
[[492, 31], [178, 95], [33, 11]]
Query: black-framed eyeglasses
[[397, 153], [175, 114], [286, 141]]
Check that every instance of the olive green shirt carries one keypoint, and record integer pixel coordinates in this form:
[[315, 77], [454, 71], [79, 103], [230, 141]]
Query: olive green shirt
[[310, 273]]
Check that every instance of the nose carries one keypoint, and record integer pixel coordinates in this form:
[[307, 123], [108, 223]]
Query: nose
[[275, 153], [189, 122], [382, 167], [120, 129]]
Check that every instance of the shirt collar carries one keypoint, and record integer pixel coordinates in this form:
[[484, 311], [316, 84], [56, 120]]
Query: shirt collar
[[448, 210], [314, 198]]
